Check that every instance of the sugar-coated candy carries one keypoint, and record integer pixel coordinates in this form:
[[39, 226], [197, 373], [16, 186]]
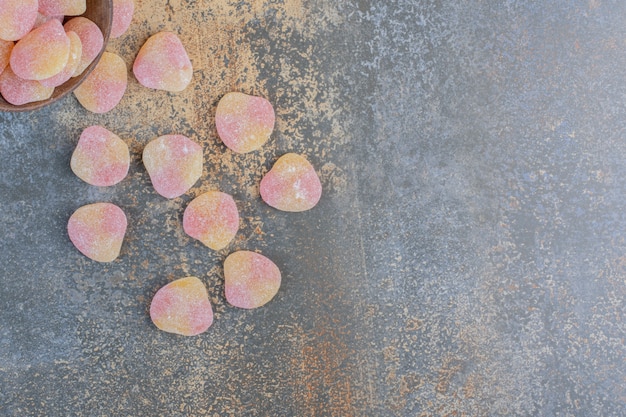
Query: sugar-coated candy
[[122, 16], [163, 64], [182, 307], [62, 7], [18, 91], [76, 48], [212, 218], [174, 164], [101, 158], [91, 39], [97, 230], [17, 18], [42, 53], [244, 122], [105, 86], [5, 53], [250, 279], [291, 185]]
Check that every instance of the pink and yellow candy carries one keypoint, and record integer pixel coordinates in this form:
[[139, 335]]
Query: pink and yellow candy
[[174, 163], [291, 185], [122, 16], [91, 39], [42, 53], [18, 91], [163, 64], [244, 123], [97, 230], [212, 218], [105, 86], [182, 307], [62, 7], [251, 279], [66, 73], [17, 18], [101, 158]]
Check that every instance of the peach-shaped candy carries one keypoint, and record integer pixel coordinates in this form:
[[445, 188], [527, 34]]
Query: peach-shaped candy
[[163, 64], [182, 307], [174, 163], [122, 16], [91, 38], [250, 279], [101, 158], [291, 185], [212, 218], [76, 49], [18, 91], [5, 53], [62, 7], [42, 53], [104, 88], [97, 230], [17, 18], [244, 122]]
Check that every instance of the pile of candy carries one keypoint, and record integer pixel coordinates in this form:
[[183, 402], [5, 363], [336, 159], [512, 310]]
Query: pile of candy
[[39, 53], [174, 164]]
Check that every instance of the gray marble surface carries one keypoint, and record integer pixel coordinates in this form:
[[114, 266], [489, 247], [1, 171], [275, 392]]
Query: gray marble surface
[[468, 256]]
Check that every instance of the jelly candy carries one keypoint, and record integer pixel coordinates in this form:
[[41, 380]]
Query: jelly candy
[[244, 123], [97, 230], [212, 218], [174, 163], [162, 63], [250, 279], [291, 185], [105, 86], [101, 158], [182, 307]]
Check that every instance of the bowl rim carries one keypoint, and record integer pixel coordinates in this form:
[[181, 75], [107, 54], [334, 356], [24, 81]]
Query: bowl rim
[[36, 105]]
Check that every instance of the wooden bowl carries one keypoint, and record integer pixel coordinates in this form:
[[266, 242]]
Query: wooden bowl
[[101, 13]]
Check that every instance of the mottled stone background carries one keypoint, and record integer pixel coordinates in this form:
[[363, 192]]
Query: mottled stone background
[[468, 257]]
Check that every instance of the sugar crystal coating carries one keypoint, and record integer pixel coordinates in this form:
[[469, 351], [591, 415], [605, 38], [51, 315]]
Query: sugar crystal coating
[[5, 53], [42, 18], [97, 230], [42, 53], [66, 73], [182, 307], [163, 64], [17, 18], [250, 279], [101, 158], [174, 163], [105, 86], [291, 185], [244, 122], [18, 91], [212, 218], [122, 16], [62, 7], [91, 39]]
